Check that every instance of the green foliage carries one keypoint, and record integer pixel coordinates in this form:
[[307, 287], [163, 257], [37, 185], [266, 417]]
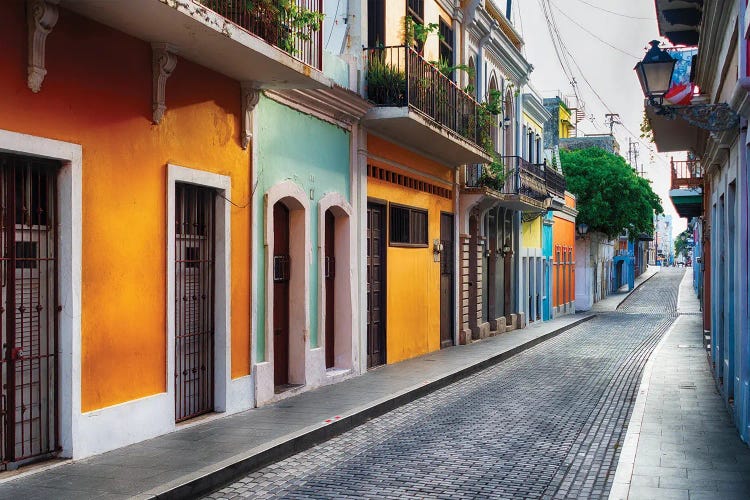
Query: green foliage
[[611, 196], [494, 173], [385, 83], [681, 246], [646, 131], [294, 23], [419, 33]]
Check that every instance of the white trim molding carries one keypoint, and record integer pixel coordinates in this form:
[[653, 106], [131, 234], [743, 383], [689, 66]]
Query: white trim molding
[[73, 433], [300, 250], [41, 17], [230, 395], [346, 342]]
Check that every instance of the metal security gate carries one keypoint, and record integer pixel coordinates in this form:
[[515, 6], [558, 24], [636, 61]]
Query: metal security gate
[[29, 309], [194, 300]]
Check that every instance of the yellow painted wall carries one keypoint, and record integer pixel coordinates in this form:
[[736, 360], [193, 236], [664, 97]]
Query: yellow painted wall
[[565, 118], [529, 121], [413, 277], [97, 93], [531, 233]]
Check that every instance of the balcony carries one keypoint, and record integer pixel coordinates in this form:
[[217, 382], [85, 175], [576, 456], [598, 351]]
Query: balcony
[[555, 182], [421, 107], [523, 188], [248, 44], [687, 187]]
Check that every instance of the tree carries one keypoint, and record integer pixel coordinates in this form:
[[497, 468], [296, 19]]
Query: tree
[[681, 246], [610, 195]]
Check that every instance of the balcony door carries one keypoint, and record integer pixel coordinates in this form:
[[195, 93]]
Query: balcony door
[[376, 23]]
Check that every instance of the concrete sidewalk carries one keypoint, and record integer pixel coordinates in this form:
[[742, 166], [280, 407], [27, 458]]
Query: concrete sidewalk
[[208, 454], [680, 441]]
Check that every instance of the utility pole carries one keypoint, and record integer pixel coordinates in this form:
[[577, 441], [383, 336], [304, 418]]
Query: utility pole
[[612, 119]]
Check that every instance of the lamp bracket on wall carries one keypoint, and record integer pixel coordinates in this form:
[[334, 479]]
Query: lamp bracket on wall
[[711, 117]]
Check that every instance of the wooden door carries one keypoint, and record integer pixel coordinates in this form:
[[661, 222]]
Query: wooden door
[[376, 291], [281, 274], [447, 257], [194, 301], [507, 278], [28, 316], [330, 275]]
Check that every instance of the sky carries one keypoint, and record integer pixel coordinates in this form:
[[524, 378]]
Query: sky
[[605, 56]]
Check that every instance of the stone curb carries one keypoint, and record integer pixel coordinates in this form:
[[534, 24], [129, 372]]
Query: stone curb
[[216, 475]]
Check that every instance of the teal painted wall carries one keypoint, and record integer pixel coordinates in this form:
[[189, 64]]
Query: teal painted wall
[[313, 154]]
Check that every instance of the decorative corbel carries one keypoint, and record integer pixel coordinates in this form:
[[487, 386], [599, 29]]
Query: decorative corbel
[[41, 17], [250, 98], [164, 61]]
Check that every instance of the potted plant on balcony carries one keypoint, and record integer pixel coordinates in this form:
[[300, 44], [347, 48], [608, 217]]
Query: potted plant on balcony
[[283, 23], [386, 84]]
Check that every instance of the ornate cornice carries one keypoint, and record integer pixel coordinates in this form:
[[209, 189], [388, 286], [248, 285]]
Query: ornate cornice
[[164, 61], [41, 17]]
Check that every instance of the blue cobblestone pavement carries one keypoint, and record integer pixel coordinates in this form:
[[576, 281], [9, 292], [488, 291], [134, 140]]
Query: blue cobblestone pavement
[[547, 423]]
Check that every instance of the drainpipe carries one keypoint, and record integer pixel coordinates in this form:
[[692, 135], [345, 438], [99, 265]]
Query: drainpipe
[[507, 10], [517, 215]]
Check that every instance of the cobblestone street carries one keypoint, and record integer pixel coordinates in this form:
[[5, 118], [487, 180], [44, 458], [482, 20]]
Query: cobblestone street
[[547, 423]]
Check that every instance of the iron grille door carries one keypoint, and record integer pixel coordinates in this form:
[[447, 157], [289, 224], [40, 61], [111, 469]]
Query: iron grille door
[[28, 314], [194, 300]]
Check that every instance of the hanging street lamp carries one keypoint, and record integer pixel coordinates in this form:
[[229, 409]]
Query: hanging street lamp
[[655, 76], [655, 73]]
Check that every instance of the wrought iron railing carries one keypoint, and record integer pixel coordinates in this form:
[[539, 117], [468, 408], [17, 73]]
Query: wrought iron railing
[[292, 27], [520, 177], [399, 76], [529, 177], [687, 174], [555, 182]]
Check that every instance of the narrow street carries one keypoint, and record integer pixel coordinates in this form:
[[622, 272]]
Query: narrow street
[[547, 423]]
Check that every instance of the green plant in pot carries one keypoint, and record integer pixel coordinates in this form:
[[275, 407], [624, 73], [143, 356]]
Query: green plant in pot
[[386, 84]]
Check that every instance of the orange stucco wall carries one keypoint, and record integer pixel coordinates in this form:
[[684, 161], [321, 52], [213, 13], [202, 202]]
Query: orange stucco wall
[[564, 243], [413, 277], [97, 93]]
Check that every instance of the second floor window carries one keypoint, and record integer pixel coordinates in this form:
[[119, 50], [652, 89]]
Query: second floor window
[[408, 226], [446, 44]]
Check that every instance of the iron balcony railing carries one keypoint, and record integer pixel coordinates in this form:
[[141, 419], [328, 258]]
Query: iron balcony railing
[[521, 177], [555, 182], [687, 174], [278, 23], [399, 76]]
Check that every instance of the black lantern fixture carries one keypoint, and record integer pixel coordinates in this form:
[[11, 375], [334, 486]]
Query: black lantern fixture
[[655, 75], [583, 229]]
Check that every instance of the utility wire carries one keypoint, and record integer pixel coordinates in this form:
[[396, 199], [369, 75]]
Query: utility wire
[[594, 34], [615, 13]]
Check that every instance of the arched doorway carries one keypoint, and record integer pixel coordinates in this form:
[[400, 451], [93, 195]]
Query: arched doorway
[[335, 307]]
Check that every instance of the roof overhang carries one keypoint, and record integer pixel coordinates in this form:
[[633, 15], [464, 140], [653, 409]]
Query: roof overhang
[[672, 134], [687, 202], [679, 20], [417, 131]]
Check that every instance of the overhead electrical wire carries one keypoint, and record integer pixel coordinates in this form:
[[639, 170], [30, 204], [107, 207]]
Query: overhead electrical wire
[[616, 13], [568, 57], [560, 54], [593, 34]]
